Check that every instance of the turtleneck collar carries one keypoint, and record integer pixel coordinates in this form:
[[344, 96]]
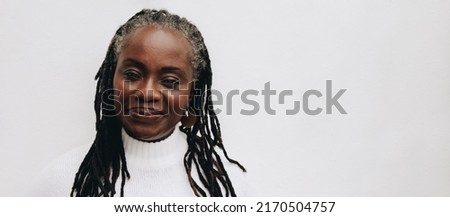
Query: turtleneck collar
[[160, 154]]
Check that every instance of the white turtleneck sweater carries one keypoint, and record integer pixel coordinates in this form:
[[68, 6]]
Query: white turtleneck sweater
[[156, 169]]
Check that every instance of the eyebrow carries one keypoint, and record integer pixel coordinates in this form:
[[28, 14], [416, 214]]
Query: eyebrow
[[164, 69], [135, 63], [171, 69]]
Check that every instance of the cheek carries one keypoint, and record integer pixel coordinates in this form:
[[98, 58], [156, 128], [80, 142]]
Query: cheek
[[178, 102], [118, 94], [117, 84]]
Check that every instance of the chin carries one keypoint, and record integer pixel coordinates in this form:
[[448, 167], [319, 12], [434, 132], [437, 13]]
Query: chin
[[147, 133]]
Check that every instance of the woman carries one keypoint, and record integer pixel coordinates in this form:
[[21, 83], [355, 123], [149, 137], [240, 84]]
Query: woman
[[156, 74]]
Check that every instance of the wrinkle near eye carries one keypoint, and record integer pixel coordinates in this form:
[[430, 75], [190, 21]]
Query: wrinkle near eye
[[171, 83], [132, 75]]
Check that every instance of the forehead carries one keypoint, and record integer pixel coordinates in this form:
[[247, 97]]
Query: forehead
[[155, 49], [157, 37]]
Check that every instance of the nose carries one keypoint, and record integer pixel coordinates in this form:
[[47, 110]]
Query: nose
[[149, 91]]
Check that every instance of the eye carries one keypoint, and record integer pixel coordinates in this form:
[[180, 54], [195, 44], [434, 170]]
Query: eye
[[132, 75], [170, 82]]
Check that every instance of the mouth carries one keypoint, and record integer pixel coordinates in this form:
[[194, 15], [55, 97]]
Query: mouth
[[144, 113]]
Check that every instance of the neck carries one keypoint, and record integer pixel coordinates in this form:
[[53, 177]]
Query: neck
[[165, 152]]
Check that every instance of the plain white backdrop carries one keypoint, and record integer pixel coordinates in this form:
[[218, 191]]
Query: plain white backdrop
[[392, 57]]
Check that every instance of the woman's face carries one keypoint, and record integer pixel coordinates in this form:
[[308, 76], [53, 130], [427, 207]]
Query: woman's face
[[152, 82]]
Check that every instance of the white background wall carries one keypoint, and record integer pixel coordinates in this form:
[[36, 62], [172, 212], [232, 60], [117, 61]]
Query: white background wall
[[391, 56]]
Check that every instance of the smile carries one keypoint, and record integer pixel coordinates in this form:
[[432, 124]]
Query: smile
[[144, 113]]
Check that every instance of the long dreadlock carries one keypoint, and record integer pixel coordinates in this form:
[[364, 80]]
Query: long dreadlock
[[105, 161]]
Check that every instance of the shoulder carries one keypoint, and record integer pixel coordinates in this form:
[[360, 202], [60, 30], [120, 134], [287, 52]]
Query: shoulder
[[56, 179]]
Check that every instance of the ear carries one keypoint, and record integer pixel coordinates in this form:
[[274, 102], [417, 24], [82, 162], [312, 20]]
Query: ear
[[192, 92], [189, 119]]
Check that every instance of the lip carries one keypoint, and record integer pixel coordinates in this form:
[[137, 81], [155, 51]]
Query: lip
[[145, 113]]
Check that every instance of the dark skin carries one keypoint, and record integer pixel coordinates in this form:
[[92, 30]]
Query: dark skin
[[153, 74]]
